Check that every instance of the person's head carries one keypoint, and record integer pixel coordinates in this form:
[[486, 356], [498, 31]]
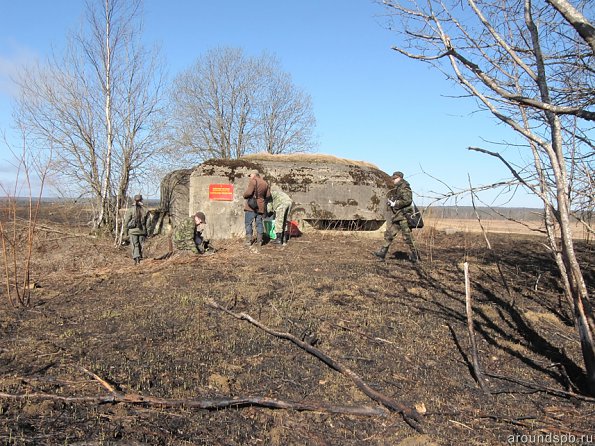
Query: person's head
[[397, 176], [199, 218], [253, 174], [138, 198]]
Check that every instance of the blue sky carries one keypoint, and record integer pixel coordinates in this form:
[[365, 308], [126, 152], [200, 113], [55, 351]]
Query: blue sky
[[370, 103]]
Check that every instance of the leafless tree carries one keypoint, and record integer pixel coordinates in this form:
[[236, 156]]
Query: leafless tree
[[285, 113], [98, 104], [531, 65], [19, 211], [228, 104]]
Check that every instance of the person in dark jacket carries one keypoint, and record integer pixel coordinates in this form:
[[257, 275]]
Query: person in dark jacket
[[399, 200], [259, 190], [135, 227]]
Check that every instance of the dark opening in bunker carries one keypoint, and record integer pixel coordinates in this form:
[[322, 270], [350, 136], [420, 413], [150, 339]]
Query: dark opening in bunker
[[345, 225]]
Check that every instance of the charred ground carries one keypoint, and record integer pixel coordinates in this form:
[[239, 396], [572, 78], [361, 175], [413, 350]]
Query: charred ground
[[148, 331]]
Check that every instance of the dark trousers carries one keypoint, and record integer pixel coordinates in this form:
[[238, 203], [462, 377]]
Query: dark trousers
[[136, 242]]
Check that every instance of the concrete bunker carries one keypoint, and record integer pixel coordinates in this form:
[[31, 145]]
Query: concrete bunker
[[328, 192]]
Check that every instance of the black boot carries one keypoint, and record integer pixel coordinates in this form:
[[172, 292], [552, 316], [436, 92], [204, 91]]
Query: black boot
[[414, 256], [248, 241], [259, 240], [279, 239], [381, 253]]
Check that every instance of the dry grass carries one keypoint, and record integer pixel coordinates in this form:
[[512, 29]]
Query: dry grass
[[148, 330], [307, 157], [453, 225]]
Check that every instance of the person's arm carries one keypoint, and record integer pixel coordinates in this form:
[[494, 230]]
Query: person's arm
[[405, 197]]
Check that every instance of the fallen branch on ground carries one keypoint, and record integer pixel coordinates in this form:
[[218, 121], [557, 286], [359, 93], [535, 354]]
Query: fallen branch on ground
[[538, 387], [116, 396], [410, 415], [207, 404]]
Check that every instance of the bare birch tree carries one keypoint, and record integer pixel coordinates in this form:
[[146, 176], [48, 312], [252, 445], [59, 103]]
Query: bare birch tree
[[228, 104], [97, 103], [531, 65]]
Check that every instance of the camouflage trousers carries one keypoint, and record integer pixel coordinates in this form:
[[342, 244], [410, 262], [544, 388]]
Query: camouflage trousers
[[281, 216], [393, 228], [186, 245]]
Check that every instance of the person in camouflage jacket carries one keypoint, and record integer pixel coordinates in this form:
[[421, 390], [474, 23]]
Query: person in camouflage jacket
[[135, 228], [280, 203], [399, 202], [191, 234]]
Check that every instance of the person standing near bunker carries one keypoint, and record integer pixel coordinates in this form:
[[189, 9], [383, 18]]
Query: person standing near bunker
[[399, 202], [256, 193], [281, 205], [135, 227]]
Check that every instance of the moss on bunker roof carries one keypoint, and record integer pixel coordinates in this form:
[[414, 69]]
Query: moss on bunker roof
[[232, 163]]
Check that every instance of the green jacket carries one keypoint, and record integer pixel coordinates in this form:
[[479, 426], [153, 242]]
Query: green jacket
[[399, 200], [279, 198], [129, 222]]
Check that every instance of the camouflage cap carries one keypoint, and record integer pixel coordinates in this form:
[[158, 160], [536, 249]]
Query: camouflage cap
[[202, 216], [398, 174], [138, 197]]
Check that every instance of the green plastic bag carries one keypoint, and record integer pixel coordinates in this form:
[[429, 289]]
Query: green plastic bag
[[269, 229]]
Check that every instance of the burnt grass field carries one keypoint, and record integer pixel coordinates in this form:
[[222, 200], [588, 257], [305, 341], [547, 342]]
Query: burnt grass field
[[109, 353]]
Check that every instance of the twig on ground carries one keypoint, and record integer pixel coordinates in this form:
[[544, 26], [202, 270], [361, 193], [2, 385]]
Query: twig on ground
[[556, 392], [410, 415], [373, 338]]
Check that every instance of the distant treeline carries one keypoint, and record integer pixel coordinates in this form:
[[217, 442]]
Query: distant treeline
[[463, 212], [467, 212], [21, 201]]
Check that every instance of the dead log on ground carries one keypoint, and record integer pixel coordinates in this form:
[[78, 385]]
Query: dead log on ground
[[117, 396], [207, 404]]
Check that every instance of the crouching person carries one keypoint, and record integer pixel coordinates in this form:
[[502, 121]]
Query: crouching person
[[191, 235]]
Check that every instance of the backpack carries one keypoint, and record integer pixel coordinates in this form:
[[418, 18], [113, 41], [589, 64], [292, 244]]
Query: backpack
[[132, 223], [253, 203], [135, 222], [414, 218]]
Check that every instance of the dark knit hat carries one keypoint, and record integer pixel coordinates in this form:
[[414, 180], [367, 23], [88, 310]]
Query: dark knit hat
[[202, 216], [398, 174], [138, 197]]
